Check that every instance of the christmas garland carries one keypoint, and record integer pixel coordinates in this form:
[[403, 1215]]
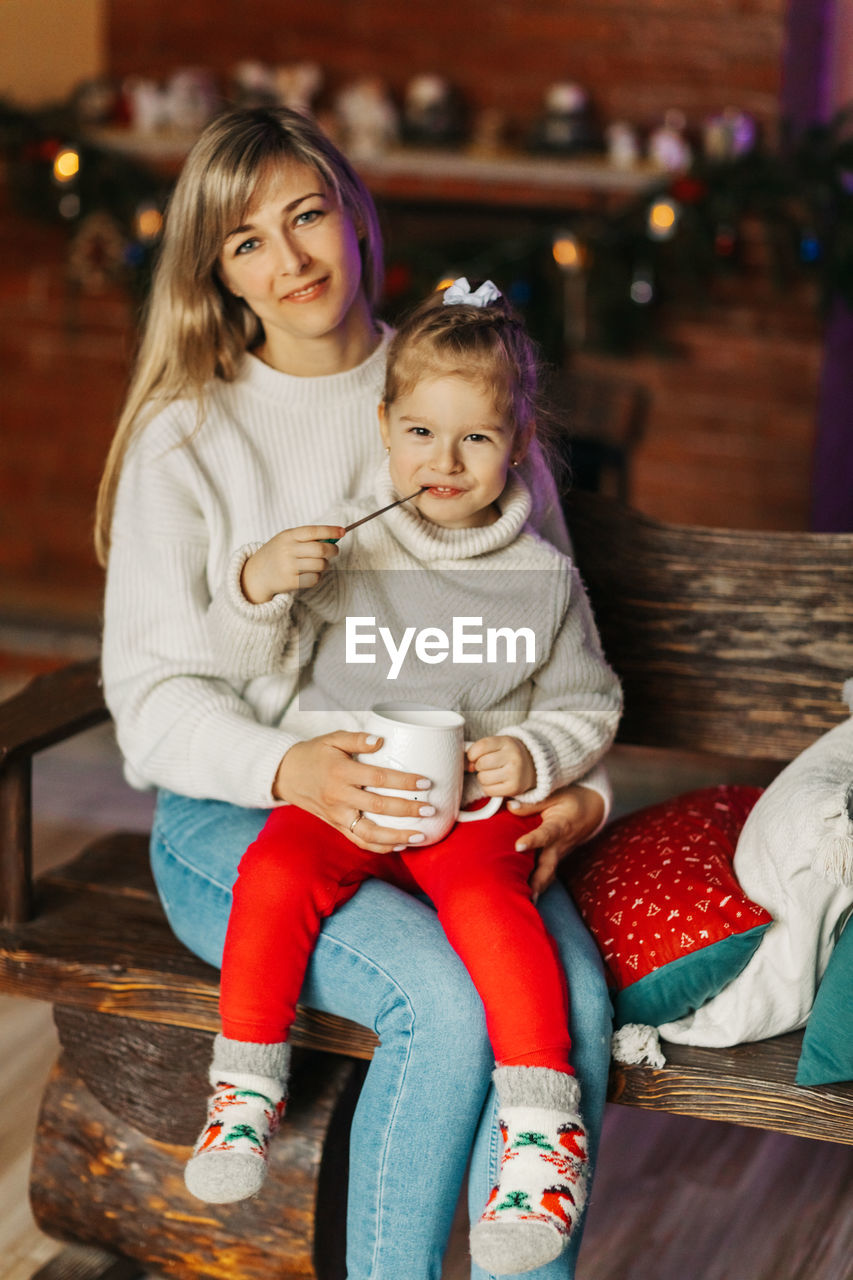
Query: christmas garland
[[598, 279]]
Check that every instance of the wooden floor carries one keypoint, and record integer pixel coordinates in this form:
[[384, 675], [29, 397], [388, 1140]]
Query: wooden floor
[[674, 1199]]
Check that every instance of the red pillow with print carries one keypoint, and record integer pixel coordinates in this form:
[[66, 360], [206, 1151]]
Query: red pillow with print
[[659, 895]]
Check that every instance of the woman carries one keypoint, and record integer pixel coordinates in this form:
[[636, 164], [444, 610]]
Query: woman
[[253, 406]]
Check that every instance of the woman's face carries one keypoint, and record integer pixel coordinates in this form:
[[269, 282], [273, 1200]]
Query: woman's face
[[295, 261]]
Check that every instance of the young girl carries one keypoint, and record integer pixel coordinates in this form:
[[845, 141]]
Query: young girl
[[457, 417], [253, 407]]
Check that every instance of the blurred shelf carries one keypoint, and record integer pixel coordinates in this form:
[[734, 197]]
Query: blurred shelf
[[511, 179], [441, 176]]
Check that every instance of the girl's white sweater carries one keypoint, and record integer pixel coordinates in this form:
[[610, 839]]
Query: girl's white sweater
[[271, 452], [542, 678]]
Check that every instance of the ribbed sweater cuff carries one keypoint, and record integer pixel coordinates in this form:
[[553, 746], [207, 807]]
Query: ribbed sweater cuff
[[270, 610], [245, 774], [248, 639]]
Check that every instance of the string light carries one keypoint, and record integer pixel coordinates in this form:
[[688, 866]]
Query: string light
[[662, 221], [66, 165], [642, 289], [149, 222], [69, 205], [567, 251], [725, 240], [810, 246]]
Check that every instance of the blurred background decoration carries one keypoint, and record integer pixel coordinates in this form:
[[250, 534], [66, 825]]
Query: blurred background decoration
[[93, 164], [665, 192]]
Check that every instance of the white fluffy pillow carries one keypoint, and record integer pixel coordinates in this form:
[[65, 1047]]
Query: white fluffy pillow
[[795, 858]]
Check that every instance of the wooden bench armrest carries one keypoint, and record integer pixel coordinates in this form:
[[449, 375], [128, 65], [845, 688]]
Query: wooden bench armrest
[[51, 708], [48, 710]]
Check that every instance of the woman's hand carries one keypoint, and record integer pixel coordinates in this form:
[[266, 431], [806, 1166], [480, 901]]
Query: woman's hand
[[292, 560], [569, 817], [503, 765], [321, 776]]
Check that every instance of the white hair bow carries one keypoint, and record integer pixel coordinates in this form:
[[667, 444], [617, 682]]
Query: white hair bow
[[460, 291]]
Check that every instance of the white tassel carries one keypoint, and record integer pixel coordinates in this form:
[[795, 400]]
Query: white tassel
[[635, 1044], [833, 856], [847, 692]]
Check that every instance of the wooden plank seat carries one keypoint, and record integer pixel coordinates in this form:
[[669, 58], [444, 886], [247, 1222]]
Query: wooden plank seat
[[100, 943], [729, 643]]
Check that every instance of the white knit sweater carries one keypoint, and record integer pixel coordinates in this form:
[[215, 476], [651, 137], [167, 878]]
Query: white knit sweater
[[552, 689], [273, 451]]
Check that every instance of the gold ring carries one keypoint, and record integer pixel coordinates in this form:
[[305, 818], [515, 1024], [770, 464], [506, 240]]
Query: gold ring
[[356, 820]]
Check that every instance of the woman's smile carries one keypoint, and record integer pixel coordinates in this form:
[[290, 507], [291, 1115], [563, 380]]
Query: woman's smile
[[307, 292]]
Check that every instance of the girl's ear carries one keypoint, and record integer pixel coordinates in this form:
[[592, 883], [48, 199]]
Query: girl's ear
[[383, 423], [522, 443]]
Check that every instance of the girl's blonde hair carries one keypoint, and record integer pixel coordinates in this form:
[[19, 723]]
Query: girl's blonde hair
[[194, 328], [487, 345]]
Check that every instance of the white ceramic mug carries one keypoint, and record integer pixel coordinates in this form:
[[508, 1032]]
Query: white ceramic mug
[[428, 741]]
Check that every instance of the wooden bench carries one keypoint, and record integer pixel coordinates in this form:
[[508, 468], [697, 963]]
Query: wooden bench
[[729, 643]]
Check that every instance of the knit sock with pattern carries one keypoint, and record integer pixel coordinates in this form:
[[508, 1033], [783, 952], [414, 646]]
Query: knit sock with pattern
[[229, 1161], [541, 1187]]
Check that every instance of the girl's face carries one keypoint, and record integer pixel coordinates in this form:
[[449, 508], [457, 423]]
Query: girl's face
[[447, 434], [295, 261]]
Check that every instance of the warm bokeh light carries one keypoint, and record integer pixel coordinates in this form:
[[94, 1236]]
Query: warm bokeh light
[[66, 165], [445, 283], [663, 216], [567, 252], [149, 223]]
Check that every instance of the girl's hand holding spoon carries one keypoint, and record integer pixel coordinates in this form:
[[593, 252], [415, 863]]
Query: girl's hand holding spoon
[[297, 558]]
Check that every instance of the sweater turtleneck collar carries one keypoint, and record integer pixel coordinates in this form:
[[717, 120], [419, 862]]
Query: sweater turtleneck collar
[[429, 542], [328, 389]]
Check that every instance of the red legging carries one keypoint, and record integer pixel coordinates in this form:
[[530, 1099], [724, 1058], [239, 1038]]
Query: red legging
[[299, 870]]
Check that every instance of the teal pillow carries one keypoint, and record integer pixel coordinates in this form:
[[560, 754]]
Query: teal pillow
[[685, 984], [659, 895], [827, 1052]]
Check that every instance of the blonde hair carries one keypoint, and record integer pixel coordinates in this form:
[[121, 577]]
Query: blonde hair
[[487, 345], [194, 328]]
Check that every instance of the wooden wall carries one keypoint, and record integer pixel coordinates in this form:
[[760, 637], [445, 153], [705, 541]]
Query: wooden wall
[[637, 57]]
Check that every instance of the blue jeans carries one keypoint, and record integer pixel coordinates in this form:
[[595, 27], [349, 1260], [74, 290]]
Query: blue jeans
[[382, 960]]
